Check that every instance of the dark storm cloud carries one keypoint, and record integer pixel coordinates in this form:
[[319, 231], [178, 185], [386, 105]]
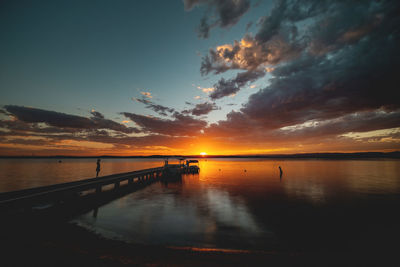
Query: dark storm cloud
[[343, 61], [201, 109], [162, 110], [360, 77], [228, 13], [285, 13], [229, 87], [294, 27], [63, 120], [181, 125]]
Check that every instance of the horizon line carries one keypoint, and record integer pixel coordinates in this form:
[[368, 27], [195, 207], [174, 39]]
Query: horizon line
[[395, 154]]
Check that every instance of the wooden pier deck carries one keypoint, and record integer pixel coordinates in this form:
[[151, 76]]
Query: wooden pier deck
[[60, 193]]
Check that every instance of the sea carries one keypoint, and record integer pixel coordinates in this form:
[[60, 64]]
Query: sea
[[237, 204]]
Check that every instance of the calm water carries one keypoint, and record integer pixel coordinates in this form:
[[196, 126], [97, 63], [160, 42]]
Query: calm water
[[238, 203], [243, 204], [18, 174]]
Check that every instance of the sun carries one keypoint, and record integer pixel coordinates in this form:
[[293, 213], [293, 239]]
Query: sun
[[203, 153]]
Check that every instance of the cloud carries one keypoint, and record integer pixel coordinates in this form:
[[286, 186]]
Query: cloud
[[203, 30], [181, 125], [102, 123], [162, 110], [353, 79], [57, 119], [97, 142], [231, 87], [355, 122], [63, 120], [227, 13], [147, 94], [309, 133], [50, 132], [96, 114], [333, 73], [294, 27], [201, 109], [249, 54], [206, 90]]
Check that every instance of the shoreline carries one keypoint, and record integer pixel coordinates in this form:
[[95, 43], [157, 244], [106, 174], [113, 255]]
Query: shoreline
[[54, 240], [67, 244]]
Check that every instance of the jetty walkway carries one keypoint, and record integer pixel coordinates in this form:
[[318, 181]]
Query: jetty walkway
[[60, 193]]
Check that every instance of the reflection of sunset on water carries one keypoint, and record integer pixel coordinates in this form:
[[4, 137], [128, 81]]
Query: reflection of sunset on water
[[234, 203]]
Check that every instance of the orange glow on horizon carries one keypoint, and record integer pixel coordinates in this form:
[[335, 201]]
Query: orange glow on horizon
[[202, 145]]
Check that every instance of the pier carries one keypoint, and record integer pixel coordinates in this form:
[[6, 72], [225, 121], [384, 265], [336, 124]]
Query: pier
[[52, 195], [101, 189]]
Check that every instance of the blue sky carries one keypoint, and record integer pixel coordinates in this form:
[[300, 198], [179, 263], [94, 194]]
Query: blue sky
[[74, 56], [127, 77]]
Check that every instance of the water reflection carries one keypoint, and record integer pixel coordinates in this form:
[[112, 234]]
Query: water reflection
[[317, 180], [234, 203], [227, 207], [229, 211], [172, 214]]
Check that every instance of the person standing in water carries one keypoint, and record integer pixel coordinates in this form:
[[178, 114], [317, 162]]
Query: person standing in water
[[98, 168], [280, 172]]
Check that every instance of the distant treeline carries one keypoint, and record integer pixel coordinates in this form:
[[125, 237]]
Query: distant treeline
[[359, 155]]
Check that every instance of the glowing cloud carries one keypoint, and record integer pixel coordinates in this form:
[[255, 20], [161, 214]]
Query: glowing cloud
[[147, 94]]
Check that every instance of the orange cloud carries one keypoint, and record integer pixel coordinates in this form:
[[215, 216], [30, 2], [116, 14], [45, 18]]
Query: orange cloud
[[206, 90], [147, 94]]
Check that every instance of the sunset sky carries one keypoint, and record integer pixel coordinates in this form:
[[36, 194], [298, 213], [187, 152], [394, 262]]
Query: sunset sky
[[185, 77]]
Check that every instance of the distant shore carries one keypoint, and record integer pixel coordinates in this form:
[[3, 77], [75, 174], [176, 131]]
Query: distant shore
[[356, 155]]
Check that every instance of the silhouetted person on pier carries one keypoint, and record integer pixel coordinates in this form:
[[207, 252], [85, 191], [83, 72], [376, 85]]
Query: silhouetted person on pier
[[98, 168], [280, 172]]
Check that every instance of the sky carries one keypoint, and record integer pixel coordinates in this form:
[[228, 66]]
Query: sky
[[222, 77]]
